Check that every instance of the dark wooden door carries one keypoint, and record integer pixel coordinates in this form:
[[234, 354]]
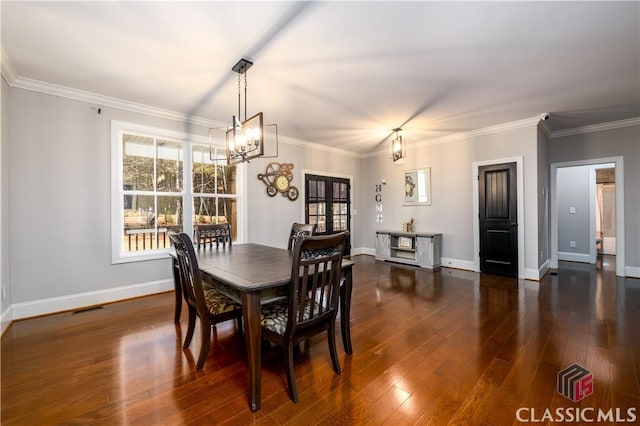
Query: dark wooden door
[[497, 191]]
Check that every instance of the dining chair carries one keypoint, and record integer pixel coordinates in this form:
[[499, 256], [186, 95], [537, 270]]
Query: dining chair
[[312, 305], [211, 306], [218, 233], [298, 230]]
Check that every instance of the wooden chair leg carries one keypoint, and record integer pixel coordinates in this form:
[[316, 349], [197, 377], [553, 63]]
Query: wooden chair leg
[[190, 328], [331, 336], [204, 348], [291, 379]]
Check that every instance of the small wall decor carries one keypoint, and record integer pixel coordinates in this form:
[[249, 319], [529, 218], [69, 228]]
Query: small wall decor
[[378, 198], [408, 226], [417, 187], [278, 177]]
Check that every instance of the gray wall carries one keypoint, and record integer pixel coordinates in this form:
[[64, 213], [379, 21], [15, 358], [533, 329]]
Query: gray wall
[[270, 218], [572, 188], [59, 185], [451, 211], [56, 167], [624, 142], [59, 181]]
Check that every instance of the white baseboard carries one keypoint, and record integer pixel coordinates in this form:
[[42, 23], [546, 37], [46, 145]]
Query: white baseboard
[[81, 300], [574, 257], [363, 250], [536, 274], [5, 320], [632, 272], [458, 264], [543, 269]]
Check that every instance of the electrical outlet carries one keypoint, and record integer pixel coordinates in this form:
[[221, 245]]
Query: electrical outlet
[[572, 244]]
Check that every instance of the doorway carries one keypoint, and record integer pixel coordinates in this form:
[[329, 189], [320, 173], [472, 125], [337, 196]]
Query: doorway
[[618, 214], [605, 209]]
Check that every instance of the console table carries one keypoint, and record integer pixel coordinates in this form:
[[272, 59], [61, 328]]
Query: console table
[[419, 249]]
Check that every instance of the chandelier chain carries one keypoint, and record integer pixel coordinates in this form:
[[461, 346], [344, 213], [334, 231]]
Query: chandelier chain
[[239, 97], [245, 95]]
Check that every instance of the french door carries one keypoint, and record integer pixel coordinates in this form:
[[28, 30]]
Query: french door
[[328, 203]]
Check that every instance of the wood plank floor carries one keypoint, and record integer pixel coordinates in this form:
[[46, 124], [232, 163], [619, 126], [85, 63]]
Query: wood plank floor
[[451, 347]]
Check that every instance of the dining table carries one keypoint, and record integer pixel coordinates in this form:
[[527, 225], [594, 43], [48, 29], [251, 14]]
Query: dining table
[[251, 274]]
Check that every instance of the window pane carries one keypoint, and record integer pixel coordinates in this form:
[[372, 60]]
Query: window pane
[[137, 163], [170, 212], [169, 219], [139, 222], [209, 176], [169, 166]]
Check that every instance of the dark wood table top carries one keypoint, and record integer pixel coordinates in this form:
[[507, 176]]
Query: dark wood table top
[[250, 266]]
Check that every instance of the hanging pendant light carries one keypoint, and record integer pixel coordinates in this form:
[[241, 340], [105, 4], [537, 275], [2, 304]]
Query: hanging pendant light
[[397, 145], [245, 139]]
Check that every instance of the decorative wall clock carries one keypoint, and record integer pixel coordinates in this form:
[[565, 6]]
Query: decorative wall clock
[[278, 177]]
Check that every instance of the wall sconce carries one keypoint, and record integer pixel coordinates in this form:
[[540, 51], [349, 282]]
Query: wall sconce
[[397, 146]]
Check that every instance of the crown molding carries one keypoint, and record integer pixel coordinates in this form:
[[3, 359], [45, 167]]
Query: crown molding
[[107, 101], [7, 69], [544, 127], [9, 74], [319, 147], [596, 127]]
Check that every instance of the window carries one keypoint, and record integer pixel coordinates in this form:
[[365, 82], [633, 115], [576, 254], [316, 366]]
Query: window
[[164, 181]]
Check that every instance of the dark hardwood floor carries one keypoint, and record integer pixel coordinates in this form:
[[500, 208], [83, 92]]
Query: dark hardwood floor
[[451, 347]]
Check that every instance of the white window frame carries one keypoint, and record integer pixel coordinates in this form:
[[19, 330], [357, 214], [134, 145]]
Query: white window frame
[[118, 128]]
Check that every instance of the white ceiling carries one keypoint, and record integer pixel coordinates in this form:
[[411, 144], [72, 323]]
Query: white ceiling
[[343, 73]]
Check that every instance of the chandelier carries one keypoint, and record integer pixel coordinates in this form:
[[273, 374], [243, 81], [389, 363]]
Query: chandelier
[[245, 139]]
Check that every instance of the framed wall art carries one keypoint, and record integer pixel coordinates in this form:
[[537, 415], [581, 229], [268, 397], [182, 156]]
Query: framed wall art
[[417, 187]]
